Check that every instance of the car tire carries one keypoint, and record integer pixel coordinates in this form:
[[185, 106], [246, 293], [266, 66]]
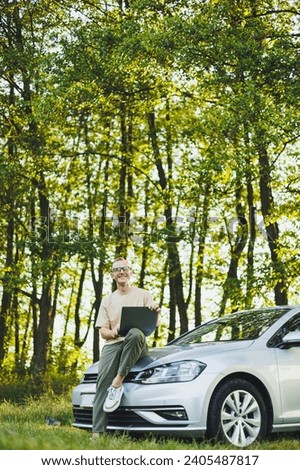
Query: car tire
[[237, 414]]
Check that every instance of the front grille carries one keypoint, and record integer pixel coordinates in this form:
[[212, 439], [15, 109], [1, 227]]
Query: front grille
[[89, 378], [120, 417], [92, 378], [83, 415], [124, 417], [127, 418]]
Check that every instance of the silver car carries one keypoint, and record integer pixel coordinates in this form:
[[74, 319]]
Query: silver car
[[235, 378]]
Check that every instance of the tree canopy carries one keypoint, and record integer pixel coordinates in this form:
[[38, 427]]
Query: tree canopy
[[164, 131]]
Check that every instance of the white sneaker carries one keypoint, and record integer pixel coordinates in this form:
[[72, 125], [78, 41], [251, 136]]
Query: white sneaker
[[113, 399], [95, 436]]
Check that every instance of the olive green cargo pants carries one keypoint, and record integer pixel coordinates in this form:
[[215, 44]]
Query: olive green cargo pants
[[115, 358]]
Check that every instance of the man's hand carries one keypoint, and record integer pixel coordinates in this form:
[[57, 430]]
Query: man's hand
[[157, 308], [115, 333], [108, 333]]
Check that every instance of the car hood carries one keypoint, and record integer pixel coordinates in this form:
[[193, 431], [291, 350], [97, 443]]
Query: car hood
[[172, 353]]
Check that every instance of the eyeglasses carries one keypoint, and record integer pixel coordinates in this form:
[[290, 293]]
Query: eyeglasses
[[120, 269]]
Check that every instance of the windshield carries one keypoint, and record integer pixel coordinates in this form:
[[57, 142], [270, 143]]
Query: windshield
[[241, 326]]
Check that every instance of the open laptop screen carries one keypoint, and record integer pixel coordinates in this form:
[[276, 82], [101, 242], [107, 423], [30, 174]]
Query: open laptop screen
[[138, 317]]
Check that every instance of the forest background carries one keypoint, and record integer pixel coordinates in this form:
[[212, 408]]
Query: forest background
[[163, 131]]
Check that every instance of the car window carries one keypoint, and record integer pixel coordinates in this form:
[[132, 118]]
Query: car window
[[242, 326], [291, 325]]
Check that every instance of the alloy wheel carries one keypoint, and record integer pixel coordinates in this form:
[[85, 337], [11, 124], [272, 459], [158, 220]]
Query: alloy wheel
[[240, 418]]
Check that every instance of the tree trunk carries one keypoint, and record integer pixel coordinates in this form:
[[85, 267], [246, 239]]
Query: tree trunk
[[6, 282], [200, 256], [43, 336], [175, 273], [272, 230], [124, 179], [77, 340], [251, 242], [232, 289]]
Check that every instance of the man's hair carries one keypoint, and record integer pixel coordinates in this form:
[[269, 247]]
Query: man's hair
[[120, 258]]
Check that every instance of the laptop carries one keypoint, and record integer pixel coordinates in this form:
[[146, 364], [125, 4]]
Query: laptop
[[138, 317]]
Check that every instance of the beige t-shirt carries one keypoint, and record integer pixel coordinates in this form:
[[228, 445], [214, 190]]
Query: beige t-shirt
[[111, 306]]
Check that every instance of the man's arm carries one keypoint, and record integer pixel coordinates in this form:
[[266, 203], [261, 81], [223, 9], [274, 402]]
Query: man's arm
[[108, 333]]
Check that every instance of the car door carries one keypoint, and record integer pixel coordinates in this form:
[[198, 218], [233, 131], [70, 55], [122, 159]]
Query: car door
[[288, 361]]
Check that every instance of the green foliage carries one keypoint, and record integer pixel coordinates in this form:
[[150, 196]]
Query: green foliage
[[18, 389], [151, 130]]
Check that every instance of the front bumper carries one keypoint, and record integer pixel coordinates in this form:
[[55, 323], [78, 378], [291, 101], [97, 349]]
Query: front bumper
[[170, 409]]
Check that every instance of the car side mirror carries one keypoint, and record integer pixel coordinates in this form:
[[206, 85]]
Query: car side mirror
[[290, 340]]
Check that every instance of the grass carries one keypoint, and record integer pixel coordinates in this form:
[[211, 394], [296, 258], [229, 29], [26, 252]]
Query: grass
[[24, 427]]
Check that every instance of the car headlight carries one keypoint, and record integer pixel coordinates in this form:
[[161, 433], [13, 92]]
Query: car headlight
[[181, 371]]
